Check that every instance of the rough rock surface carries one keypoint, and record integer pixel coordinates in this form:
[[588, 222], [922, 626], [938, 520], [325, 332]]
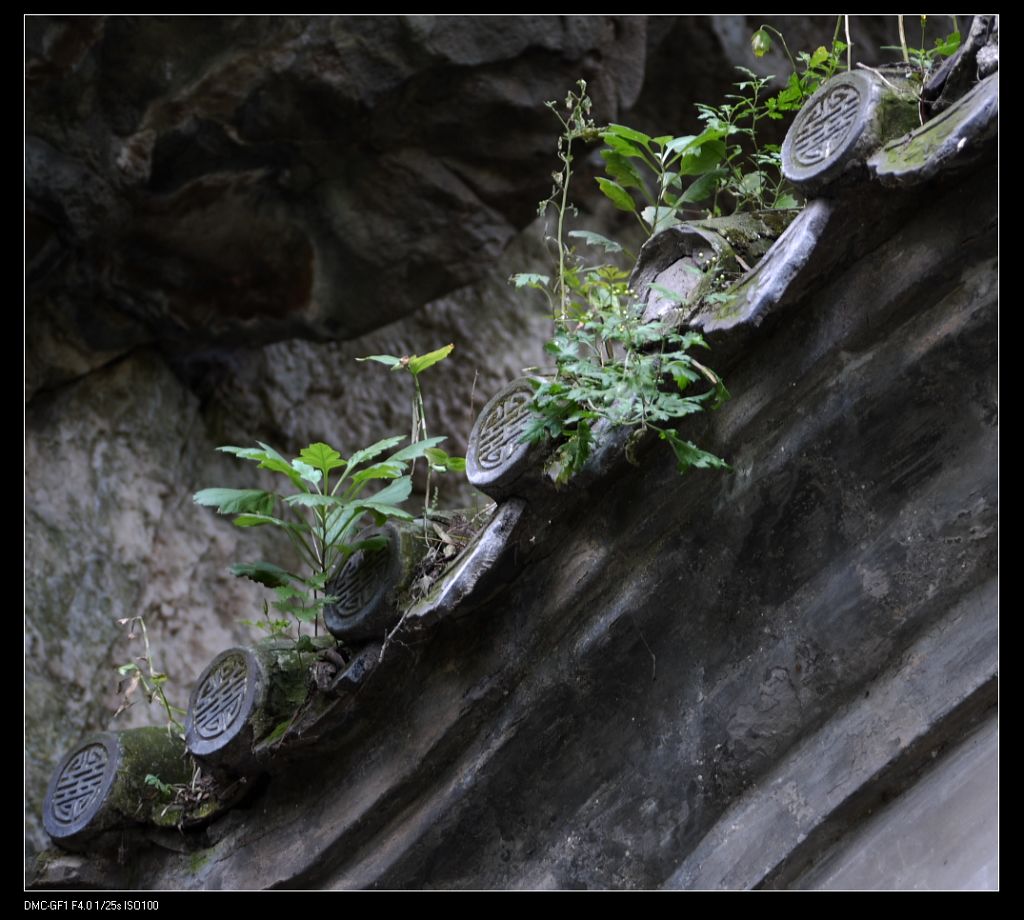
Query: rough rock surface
[[111, 532], [679, 651], [114, 458], [196, 190], [253, 179]]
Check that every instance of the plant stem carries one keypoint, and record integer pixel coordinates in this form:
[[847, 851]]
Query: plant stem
[[155, 689], [903, 40], [785, 47], [420, 422], [849, 45], [566, 175]]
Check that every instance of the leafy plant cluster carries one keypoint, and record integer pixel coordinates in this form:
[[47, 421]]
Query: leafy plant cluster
[[142, 674], [628, 391], [657, 178], [323, 503], [923, 60], [610, 364]]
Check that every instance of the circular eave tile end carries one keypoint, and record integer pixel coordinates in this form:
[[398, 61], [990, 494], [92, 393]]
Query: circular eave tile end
[[80, 786], [824, 138], [496, 455], [222, 701], [363, 585]]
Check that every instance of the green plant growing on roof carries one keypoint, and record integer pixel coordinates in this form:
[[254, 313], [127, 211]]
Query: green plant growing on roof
[[610, 364], [142, 674], [318, 515], [437, 460], [923, 60]]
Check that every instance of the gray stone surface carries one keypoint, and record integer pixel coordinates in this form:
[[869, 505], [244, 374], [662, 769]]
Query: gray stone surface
[[954, 140], [977, 58], [682, 264], [230, 179], [79, 787], [118, 437], [865, 753], [100, 788], [113, 458], [670, 644], [370, 585], [781, 268], [943, 833], [481, 566], [226, 698], [111, 532]]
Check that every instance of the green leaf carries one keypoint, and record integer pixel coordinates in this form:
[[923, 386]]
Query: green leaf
[[255, 520], [322, 457], [617, 194], [528, 279], [302, 612], [440, 460], [682, 375], [819, 57], [311, 500], [580, 446], [595, 239], [375, 450], [394, 493], [751, 183], [621, 169], [163, 788], [245, 453], [382, 512], [628, 133], [786, 201], [274, 461], [266, 573], [622, 146], [307, 472], [233, 501], [659, 219], [702, 188], [385, 470], [949, 45], [415, 450], [680, 144], [419, 363], [389, 360], [269, 459], [703, 158], [340, 522], [689, 455]]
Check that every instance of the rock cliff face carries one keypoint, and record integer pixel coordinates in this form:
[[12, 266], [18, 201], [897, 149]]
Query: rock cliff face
[[223, 213], [255, 179]]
